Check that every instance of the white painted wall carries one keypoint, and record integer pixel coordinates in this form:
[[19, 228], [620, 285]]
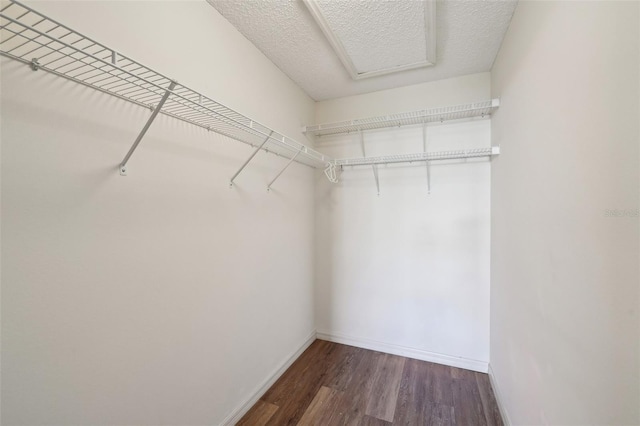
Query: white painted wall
[[407, 272], [163, 297], [564, 276]]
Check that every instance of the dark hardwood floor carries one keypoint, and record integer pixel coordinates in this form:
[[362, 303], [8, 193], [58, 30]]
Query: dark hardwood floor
[[333, 384]]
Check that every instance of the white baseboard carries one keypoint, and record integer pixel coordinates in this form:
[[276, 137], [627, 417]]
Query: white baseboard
[[498, 395], [241, 410], [452, 361]]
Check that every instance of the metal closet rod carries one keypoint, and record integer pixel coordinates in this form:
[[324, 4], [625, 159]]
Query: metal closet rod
[[426, 157], [460, 154]]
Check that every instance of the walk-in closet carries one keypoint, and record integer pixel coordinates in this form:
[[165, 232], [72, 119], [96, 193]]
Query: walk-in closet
[[319, 212]]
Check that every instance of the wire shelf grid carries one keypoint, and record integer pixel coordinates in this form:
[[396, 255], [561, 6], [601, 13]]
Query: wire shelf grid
[[456, 112], [30, 37]]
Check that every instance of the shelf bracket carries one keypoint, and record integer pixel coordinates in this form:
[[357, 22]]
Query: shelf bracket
[[374, 167], [428, 163], [154, 114], [283, 169], [375, 175], [249, 159]]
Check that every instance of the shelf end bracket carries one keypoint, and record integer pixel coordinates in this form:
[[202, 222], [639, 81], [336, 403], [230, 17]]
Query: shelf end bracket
[[154, 114], [249, 159], [374, 166], [427, 162], [283, 169]]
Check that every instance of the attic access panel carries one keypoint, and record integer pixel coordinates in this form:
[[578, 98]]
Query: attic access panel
[[378, 37]]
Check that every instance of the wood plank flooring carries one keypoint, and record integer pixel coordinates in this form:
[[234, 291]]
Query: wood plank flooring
[[332, 384]]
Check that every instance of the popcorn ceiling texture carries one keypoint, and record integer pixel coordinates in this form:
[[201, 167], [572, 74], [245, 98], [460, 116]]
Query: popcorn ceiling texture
[[469, 35], [378, 35]]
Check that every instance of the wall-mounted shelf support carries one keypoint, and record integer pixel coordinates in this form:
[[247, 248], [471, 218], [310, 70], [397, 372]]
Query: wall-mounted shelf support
[[154, 114], [375, 176], [283, 169], [253, 154], [427, 163], [374, 167], [331, 173]]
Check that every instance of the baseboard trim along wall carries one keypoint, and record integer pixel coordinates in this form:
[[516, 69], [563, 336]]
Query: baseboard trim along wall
[[469, 364], [498, 395], [452, 361], [240, 411]]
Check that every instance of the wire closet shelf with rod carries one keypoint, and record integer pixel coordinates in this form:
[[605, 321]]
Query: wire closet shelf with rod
[[423, 117], [45, 44]]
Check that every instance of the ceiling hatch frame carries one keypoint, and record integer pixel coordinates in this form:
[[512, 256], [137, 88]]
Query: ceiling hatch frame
[[429, 30]]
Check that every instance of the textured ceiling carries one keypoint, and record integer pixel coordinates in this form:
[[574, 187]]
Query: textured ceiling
[[469, 34], [376, 35]]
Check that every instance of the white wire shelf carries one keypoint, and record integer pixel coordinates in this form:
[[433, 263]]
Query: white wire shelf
[[418, 157], [456, 112], [45, 44]]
